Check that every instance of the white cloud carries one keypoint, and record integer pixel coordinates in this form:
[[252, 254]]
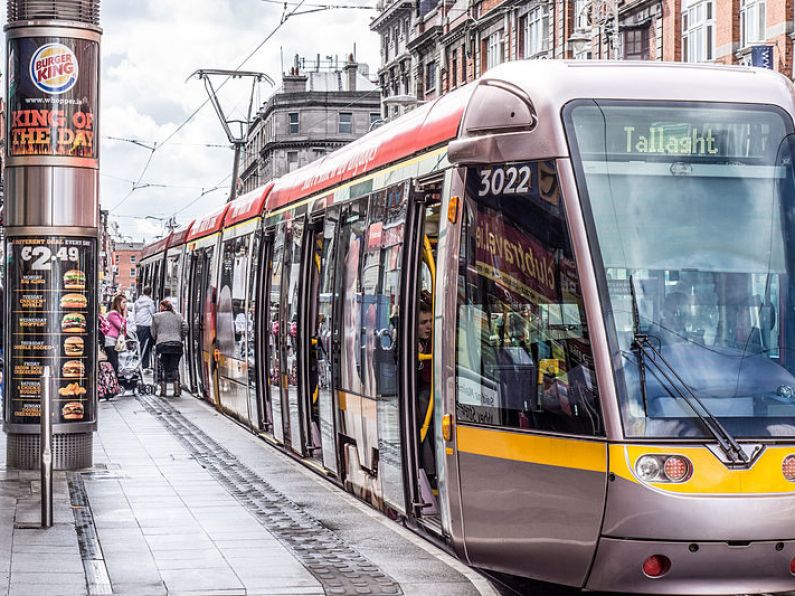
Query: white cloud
[[149, 49]]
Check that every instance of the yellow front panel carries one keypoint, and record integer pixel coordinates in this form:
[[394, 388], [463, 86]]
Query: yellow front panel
[[710, 476]]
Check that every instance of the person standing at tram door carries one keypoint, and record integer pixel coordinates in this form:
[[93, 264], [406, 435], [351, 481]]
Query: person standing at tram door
[[424, 413], [168, 329], [143, 311]]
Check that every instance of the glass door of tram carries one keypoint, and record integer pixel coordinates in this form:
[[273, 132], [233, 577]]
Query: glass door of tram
[[318, 418], [198, 302]]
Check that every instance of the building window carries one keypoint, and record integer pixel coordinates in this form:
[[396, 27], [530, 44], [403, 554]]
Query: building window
[[292, 161], [430, 76], [118, 259], [132, 271], [454, 69], [636, 44], [374, 117], [698, 31], [536, 32], [581, 14], [132, 258], [385, 46], [752, 22], [345, 122], [494, 47], [293, 123]]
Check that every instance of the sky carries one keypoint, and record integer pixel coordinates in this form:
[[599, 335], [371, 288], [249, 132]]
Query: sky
[[149, 50]]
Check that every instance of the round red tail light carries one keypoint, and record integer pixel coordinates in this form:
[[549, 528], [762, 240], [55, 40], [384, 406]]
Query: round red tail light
[[788, 468], [656, 565], [792, 566], [676, 469]]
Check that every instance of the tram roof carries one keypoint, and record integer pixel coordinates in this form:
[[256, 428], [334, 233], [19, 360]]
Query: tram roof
[[247, 206], [428, 125], [550, 84], [209, 224], [178, 236], [156, 247]]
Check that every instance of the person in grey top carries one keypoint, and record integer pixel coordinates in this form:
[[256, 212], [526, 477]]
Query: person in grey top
[[143, 311], [168, 329]]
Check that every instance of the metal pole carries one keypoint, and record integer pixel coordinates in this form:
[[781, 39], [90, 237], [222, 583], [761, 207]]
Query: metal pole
[[46, 451], [235, 169]]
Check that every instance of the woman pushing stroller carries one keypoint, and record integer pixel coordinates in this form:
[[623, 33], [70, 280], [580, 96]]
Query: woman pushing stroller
[[168, 329]]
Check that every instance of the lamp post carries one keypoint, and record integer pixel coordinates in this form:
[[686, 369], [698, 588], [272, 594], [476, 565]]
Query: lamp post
[[592, 15]]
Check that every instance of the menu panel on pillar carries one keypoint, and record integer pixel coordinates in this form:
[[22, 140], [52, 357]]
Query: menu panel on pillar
[[52, 307]]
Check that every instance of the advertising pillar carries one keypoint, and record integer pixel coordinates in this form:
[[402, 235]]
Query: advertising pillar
[[52, 226]]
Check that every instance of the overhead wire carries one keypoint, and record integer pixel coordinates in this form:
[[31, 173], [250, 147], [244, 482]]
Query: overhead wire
[[285, 16]]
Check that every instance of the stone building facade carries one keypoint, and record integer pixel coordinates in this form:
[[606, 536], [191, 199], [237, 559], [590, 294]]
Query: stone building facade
[[432, 46], [314, 112]]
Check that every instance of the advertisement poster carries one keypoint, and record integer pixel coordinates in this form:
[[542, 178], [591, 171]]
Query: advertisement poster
[[52, 97], [51, 301]]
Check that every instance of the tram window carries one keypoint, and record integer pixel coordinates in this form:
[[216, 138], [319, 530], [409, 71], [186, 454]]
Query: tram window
[[523, 353], [232, 318], [695, 241], [251, 329], [292, 276], [273, 308], [352, 244]]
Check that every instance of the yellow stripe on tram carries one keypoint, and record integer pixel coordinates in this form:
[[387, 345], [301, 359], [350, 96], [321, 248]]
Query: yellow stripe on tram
[[562, 452]]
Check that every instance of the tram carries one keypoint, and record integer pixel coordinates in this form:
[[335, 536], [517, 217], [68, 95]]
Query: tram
[[544, 318]]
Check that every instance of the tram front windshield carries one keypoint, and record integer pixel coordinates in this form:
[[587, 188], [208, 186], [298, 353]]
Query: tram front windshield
[[693, 211]]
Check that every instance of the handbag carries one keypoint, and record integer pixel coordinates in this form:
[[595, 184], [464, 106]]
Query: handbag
[[121, 344]]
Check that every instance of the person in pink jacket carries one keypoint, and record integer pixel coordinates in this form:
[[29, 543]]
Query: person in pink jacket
[[117, 320]]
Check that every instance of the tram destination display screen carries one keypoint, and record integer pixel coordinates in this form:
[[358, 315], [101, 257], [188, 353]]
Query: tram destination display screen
[[51, 323]]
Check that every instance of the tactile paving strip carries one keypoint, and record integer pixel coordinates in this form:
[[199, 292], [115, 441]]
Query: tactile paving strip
[[97, 578], [337, 566]]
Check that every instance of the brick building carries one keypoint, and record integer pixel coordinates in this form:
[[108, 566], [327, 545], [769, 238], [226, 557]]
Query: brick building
[[126, 257], [319, 108], [432, 46]]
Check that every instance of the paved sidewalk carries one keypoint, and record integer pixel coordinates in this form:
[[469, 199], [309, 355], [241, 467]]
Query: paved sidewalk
[[182, 500]]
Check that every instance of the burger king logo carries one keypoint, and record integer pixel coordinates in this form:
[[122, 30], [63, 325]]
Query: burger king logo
[[53, 68]]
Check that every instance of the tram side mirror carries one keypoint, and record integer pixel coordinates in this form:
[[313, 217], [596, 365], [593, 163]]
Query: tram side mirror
[[385, 340]]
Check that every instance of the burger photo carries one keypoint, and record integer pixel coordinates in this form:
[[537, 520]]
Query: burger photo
[[74, 279], [73, 346], [72, 410], [73, 369], [73, 323], [74, 301]]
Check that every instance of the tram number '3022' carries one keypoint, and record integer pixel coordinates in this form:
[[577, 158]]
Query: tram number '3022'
[[510, 180]]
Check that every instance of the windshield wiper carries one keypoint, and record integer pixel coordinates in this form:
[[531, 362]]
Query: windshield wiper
[[648, 353]]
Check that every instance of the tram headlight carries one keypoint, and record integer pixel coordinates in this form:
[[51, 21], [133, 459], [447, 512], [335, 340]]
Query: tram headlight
[[648, 468], [665, 468], [788, 468]]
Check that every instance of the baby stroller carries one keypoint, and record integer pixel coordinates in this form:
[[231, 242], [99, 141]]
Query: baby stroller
[[131, 373]]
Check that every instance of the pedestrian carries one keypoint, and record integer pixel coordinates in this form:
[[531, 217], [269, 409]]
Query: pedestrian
[[117, 327], [143, 311], [168, 329]]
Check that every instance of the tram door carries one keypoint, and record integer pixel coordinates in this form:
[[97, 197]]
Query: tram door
[[274, 331], [290, 339], [318, 419], [198, 303], [419, 300], [188, 373], [263, 338]]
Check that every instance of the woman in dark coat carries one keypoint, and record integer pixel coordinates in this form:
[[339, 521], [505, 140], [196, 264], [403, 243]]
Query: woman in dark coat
[[168, 329]]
